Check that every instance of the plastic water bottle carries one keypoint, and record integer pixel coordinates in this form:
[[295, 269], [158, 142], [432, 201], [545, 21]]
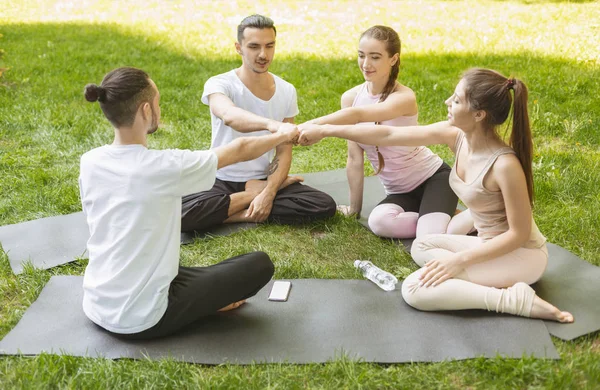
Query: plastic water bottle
[[382, 278]]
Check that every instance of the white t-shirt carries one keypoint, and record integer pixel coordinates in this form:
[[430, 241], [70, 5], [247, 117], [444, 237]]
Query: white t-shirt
[[283, 104], [131, 198]]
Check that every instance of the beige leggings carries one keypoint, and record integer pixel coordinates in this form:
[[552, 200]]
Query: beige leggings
[[499, 284]]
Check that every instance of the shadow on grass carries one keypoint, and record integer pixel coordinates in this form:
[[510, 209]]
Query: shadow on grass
[[45, 123]]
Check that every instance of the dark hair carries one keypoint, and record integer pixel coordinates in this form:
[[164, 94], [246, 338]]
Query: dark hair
[[120, 94], [392, 46], [254, 21], [489, 91]]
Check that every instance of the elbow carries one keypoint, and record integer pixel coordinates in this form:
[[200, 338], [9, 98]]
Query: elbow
[[241, 146], [228, 118], [520, 236]]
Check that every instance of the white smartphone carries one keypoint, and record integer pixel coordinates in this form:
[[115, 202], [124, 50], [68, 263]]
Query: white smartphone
[[280, 291]]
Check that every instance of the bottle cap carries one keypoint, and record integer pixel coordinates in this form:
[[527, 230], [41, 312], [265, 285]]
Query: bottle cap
[[357, 263]]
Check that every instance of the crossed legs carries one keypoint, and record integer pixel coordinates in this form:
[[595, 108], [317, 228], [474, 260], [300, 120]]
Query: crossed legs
[[500, 284]]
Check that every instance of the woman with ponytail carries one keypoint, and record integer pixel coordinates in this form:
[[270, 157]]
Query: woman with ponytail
[[419, 199], [494, 179]]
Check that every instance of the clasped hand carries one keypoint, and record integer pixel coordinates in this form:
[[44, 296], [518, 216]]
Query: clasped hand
[[305, 134]]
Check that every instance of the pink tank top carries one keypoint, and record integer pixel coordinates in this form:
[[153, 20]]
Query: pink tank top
[[406, 167], [487, 207]]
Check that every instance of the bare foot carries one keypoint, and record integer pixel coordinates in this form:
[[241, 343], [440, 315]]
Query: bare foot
[[545, 310], [255, 186], [291, 180], [232, 306]]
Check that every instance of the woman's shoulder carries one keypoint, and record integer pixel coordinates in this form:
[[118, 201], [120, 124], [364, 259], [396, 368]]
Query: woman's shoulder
[[404, 91], [349, 96]]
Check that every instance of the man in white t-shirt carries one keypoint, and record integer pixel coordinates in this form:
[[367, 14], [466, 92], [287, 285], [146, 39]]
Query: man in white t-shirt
[[131, 196], [250, 101]]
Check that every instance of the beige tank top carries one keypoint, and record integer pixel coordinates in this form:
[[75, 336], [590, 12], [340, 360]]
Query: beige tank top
[[487, 207]]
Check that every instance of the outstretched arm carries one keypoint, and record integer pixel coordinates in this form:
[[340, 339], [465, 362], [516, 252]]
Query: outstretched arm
[[249, 148], [400, 103], [237, 118], [437, 133]]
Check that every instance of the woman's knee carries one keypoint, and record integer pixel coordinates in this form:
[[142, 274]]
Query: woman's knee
[[390, 220], [418, 250], [411, 291], [432, 223]]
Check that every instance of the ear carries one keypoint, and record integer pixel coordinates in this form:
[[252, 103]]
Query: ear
[[395, 59], [479, 115], [238, 48], [146, 110]]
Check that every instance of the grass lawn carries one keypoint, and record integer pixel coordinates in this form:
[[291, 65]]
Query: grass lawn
[[50, 49]]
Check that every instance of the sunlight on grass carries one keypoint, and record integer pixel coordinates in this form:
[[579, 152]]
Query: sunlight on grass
[[330, 29], [50, 49]]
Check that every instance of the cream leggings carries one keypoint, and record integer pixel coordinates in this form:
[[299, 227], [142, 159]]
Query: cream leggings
[[499, 284]]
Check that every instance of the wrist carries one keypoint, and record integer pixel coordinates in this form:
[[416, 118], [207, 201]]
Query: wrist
[[273, 125], [270, 190], [463, 259]]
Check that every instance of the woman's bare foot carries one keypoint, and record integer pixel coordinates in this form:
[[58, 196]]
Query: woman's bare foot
[[232, 306], [545, 310]]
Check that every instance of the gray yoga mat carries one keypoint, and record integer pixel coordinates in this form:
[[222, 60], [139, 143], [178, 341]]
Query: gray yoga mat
[[571, 284], [53, 241], [46, 242], [321, 320]]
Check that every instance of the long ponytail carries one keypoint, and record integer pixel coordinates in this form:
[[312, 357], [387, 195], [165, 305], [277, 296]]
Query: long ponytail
[[489, 91], [520, 137]]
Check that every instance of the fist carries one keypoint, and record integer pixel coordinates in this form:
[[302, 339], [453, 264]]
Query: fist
[[290, 130], [309, 134]]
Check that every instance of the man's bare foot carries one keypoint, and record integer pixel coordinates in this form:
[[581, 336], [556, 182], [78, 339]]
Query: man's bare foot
[[232, 306], [546, 311], [291, 180], [255, 186]]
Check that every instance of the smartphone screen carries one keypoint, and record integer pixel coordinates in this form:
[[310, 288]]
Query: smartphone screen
[[280, 291]]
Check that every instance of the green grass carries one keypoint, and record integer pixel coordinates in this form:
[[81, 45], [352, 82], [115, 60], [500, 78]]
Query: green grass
[[54, 48]]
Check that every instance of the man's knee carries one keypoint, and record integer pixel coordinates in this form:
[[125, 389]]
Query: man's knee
[[329, 205], [262, 264], [202, 212]]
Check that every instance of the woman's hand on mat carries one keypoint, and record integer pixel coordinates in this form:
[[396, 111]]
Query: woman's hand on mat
[[309, 134], [348, 212], [439, 270], [260, 208]]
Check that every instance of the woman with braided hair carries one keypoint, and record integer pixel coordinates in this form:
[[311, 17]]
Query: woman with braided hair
[[418, 198], [493, 177]]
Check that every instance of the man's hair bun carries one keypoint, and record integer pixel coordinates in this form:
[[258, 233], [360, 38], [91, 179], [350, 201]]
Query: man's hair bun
[[94, 93]]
